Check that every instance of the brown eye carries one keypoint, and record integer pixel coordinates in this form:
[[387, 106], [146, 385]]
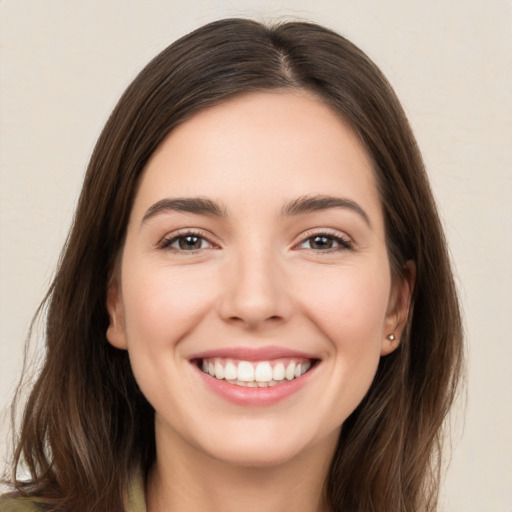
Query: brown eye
[[325, 242], [186, 242], [190, 243], [321, 242]]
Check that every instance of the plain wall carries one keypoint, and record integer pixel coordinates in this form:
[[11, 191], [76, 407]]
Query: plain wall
[[65, 63]]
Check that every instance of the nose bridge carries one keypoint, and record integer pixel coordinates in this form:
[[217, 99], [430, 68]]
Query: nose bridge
[[254, 291]]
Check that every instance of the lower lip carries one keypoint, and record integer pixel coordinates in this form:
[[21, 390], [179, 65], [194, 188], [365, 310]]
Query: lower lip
[[241, 395]]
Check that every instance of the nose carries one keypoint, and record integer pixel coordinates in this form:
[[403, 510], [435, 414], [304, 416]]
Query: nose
[[254, 292]]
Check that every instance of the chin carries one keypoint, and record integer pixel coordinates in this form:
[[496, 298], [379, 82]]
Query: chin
[[270, 449], [256, 456]]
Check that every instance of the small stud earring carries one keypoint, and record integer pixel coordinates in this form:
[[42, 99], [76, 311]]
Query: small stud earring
[[391, 337]]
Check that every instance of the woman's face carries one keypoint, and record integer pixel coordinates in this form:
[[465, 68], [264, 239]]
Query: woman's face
[[254, 293]]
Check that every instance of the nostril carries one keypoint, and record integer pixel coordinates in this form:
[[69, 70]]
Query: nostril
[[255, 321]]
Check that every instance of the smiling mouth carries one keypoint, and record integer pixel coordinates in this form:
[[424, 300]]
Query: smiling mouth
[[254, 374]]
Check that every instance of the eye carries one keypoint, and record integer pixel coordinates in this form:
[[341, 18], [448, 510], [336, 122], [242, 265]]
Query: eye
[[186, 242], [325, 242]]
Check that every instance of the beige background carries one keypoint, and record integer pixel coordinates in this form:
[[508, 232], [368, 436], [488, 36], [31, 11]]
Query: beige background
[[64, 63]]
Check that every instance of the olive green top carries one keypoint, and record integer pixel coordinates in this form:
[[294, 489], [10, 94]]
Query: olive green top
[[135, 501]]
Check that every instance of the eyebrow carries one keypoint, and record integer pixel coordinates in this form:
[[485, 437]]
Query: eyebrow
[[197, 205], [299, 206], [314, 203]]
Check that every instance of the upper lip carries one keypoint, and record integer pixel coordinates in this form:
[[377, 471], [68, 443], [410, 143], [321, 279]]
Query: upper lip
[[252, 353]]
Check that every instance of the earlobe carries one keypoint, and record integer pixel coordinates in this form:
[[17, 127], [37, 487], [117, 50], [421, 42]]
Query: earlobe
[[400, 306], [116, 331], [389, 344]]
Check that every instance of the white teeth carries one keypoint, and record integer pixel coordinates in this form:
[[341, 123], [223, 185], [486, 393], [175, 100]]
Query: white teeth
[[253, 384], [290, 371], [252, 374], [263, 372], [219, 370], [230, 371], [278, 372], [245, 371]]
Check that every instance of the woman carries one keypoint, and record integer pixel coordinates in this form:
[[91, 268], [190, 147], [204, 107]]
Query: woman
[[255, 307]]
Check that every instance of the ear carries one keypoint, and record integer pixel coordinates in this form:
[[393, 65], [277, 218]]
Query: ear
[[116, 330], [398, 309]]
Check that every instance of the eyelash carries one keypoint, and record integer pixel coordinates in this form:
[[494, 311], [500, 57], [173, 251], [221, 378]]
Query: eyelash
[[344, 243], [167, 242]]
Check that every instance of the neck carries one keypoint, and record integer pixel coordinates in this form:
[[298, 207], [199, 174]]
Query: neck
[[189, 481]]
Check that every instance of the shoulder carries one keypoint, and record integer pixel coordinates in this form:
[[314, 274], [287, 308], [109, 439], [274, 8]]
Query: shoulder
[[134, 499], [9, 504]]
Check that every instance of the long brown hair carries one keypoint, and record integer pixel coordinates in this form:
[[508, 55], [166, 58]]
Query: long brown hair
[[86, 423]]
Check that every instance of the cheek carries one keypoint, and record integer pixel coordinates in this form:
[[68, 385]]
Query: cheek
[[346, 308], [163, 304], [351, 313], [349, 305]]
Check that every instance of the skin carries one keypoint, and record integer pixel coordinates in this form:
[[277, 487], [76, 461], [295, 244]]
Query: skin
[[257, 279]]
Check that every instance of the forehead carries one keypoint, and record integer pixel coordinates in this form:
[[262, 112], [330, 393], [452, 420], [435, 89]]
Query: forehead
[[266, 146]]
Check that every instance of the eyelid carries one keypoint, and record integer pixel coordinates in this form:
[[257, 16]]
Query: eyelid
[[346, 242], [166, 241]]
